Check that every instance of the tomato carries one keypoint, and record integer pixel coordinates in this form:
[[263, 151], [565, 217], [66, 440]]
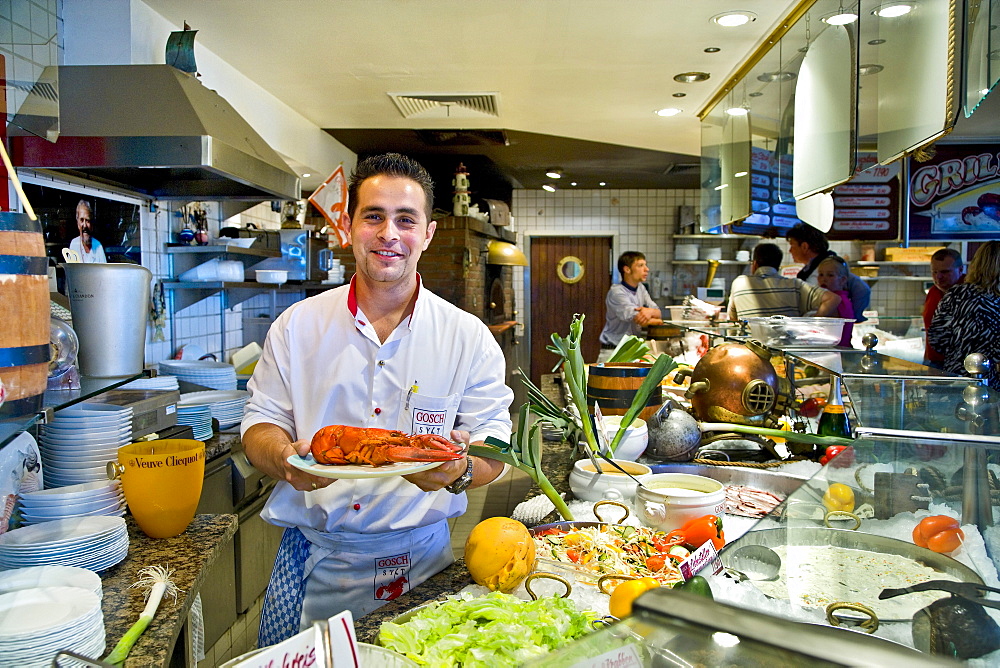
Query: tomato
[[655, 562], [625, 594], [843, 454], [939, 533], [702, 529], [812, 407]]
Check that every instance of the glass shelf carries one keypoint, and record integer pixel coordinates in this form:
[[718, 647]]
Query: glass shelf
[[56, 400], [722, 262]]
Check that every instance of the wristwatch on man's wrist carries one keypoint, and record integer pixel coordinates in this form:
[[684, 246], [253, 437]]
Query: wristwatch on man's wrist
[[462, 482]]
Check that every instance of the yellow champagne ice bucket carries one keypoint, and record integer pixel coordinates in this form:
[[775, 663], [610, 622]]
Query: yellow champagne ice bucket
[[162, 483]]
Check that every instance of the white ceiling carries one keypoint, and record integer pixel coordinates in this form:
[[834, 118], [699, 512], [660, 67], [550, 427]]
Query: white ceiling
[[592, 70]]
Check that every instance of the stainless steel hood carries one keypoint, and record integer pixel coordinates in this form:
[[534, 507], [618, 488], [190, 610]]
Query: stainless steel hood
[[151, 129]]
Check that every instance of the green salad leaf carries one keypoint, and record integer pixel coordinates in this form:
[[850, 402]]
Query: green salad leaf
[[468, 630]]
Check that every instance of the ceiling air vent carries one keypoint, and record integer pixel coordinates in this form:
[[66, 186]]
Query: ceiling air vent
[[682, 168], [447, 105], [463, 137]]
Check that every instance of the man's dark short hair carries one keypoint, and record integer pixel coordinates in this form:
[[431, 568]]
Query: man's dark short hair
[[627, 258], [389, 164], [767, 255], [807, 234], [943, 254]]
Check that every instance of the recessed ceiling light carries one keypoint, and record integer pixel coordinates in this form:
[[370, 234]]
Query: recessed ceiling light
[[712, 49], [306, 175], [691, 77], [876, 42], [721, 186], [865, 70], [739, 174], [680, 95], [768, 77], [572, 183], [841, 17], [984, 91], [737, 111], [891, 10], [734, 19], [602, 184], [756, 93], [553, 173], [548, 187], [668, 111]]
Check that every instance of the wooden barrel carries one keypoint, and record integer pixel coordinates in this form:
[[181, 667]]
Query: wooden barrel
[[613, 387], [662, 332], [24, 315]]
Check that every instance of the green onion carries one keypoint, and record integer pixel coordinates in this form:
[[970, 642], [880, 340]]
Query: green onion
[[157, 581]]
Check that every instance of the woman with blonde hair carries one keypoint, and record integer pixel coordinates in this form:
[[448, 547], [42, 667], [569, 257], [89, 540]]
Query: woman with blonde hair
[[968, 318]]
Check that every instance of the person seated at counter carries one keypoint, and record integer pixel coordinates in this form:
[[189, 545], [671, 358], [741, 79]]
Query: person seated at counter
[[832, 274], [381, 352], [628, 305], [766, 292], [968, 318], [947, 270], [809, 246]]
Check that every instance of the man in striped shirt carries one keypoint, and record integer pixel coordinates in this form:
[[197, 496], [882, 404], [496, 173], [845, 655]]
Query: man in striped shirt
[[766, 292]]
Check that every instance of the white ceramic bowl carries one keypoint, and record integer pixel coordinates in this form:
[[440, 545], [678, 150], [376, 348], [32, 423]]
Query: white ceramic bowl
[[277, 276], [587, 485], [634, 441], [667, 500]]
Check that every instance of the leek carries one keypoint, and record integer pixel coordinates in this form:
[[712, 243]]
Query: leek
[[156, 580]]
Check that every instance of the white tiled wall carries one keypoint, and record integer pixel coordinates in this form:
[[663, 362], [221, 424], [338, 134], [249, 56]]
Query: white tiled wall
[[28, 42]]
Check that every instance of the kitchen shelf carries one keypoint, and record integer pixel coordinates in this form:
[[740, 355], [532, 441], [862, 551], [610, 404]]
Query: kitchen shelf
[[714, 236], [183, 258], [186, 293], [896, 278], [888, 263], [722, 262]]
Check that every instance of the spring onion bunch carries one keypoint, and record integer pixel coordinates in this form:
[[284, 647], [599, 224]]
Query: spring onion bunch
[[156, 580]]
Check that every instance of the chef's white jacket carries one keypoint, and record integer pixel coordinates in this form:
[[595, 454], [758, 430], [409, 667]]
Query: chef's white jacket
[[323, 364]]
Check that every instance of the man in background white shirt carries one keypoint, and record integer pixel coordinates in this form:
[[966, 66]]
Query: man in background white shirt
[[86, 246]]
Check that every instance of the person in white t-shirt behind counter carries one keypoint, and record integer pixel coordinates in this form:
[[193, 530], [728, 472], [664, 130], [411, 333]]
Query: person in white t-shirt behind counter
[[86, 246]]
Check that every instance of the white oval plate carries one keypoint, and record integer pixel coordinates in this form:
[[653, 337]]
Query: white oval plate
[[309, 465]]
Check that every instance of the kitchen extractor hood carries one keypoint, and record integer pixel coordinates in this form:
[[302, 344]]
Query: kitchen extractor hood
[[151, 129]]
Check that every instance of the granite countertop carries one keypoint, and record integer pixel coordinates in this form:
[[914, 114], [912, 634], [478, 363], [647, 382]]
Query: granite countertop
[[188, 556], [557, 464]]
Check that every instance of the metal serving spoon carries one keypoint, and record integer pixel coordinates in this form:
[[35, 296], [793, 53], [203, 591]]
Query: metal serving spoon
[[756, 562]]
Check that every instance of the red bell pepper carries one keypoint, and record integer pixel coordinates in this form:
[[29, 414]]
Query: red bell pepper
[[845, 458]]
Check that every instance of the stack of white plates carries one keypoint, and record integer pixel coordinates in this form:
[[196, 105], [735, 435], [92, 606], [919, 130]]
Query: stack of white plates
[[77, 445], [226, 405], [157, 383], [50, 576], [198, 417], [686, 252], [101, 497], [217, 375], [36, 624], [95, 543]]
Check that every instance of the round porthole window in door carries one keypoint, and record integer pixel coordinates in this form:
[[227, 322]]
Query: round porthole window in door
[[570, 269]]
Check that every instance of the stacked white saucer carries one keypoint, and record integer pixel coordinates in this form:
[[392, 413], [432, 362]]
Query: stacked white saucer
[[155, 383], [100, 497], [50, 576], [77, 445], [198, 417], [226, 405], [95, 543], [36, 624], [217, 375]]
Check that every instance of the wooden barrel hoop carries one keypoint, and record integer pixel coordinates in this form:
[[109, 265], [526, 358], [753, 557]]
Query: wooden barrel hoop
[[613, 387], [24, 314]]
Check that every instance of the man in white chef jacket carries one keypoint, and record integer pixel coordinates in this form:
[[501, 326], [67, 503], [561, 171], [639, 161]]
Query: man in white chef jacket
[[381, 352]]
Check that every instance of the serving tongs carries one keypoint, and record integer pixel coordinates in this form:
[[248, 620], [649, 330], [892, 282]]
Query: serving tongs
[[970, 591]]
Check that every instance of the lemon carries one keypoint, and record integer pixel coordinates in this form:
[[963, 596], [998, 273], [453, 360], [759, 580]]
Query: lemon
[[499, 553]]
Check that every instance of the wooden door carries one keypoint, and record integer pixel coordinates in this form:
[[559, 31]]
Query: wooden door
[[553, 301]]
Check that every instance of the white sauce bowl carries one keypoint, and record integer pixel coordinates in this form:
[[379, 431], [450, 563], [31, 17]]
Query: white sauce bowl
[[667, 500], [587, 485]]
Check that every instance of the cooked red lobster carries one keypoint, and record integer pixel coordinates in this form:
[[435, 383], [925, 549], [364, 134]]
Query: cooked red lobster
[[340, 444]]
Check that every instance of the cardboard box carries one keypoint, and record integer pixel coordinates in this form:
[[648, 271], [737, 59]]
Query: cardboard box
[[912, 254]]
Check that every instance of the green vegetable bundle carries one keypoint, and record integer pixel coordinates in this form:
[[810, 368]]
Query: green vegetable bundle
[[490, 631]]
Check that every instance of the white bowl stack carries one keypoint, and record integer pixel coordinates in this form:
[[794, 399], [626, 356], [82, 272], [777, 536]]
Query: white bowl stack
[[78, 444], [217, 375], [36, 624], [226, 406], [101, 497], [95, 543]]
